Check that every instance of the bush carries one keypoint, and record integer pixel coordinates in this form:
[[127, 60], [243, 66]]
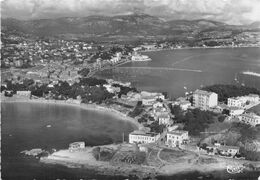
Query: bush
[[221, 118]]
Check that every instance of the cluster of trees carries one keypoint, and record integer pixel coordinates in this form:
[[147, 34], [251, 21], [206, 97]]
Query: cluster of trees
[[194, 120], [226, 91], [250, 155], [89, 89], [124, 89], [84, 72], [156, 127]]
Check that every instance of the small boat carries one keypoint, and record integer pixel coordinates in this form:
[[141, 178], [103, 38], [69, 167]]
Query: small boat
[[234, 169], [185, 87], [48, 126]]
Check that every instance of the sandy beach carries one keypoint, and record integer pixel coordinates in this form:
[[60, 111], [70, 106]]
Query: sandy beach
[[92, 107]]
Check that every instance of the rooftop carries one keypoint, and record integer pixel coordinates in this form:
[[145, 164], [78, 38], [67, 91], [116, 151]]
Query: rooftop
[[177, 132], [202, 92], [228, 147], [142, 133]]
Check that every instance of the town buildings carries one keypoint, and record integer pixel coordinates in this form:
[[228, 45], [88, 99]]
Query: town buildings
[[76, 146], [217, 149], [250, 118], [176, 138], [204, 99], [242, 101], [143, 137], [235, 111], [164, 118], [24, 93]]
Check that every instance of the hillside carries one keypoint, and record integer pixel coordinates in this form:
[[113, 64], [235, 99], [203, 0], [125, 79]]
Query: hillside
[[135, 26]]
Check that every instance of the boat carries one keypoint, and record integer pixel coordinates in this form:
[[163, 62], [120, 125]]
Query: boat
[[48, 126], [234, 169], [140, 58]]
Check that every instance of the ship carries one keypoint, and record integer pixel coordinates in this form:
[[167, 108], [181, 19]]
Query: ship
[[140, 58]]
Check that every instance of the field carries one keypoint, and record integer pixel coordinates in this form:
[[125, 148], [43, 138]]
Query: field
[[176, 156]]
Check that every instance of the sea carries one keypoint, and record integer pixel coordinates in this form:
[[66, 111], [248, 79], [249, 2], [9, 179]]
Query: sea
[[184, 70], [31, 125]]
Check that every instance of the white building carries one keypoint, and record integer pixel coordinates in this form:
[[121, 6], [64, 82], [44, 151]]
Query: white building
[[177, 137], [250, 118], [148, 99], [204, 99], [235, 111], [24, 93], [185, 105], [143, 137], [164, 118], [111, 89], [76, 146], [157, 104], [241, 101], [253, 98], [228, 150], [235, 102]]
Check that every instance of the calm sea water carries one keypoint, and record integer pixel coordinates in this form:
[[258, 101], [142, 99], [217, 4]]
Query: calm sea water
[[24, 128], [172, 70]]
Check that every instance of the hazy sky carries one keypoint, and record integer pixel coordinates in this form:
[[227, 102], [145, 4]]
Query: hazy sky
[[229, 11]]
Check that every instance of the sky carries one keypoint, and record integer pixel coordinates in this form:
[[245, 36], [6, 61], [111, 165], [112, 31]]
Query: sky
[[229, 11]]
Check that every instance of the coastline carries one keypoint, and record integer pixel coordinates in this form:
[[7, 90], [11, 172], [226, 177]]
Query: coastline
[[85, 159], [185, 48], [92, 107]]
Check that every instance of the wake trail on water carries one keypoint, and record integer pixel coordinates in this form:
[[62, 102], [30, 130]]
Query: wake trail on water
[[161, 68], [251, 73]]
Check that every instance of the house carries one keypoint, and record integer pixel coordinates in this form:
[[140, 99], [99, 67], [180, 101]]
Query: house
[[204, 99], [148, 101], [253, 98], [157, 104], [235, 111], [76, 146], [241, 101], [250, 118], [228, 150], [24, 93], [235, 102], [164, 118], [184, 105], [111, 89], [176, 138], [142, 137]]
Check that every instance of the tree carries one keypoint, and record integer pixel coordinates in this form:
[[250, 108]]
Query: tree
[[84, 72], [226, 91], [177, 112], [156, 127]]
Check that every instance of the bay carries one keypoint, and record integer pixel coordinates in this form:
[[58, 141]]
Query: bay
[[24, 128], [184, 70]]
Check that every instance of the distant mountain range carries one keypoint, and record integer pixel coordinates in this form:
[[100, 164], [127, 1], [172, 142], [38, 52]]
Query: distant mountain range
[[134, 25]]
